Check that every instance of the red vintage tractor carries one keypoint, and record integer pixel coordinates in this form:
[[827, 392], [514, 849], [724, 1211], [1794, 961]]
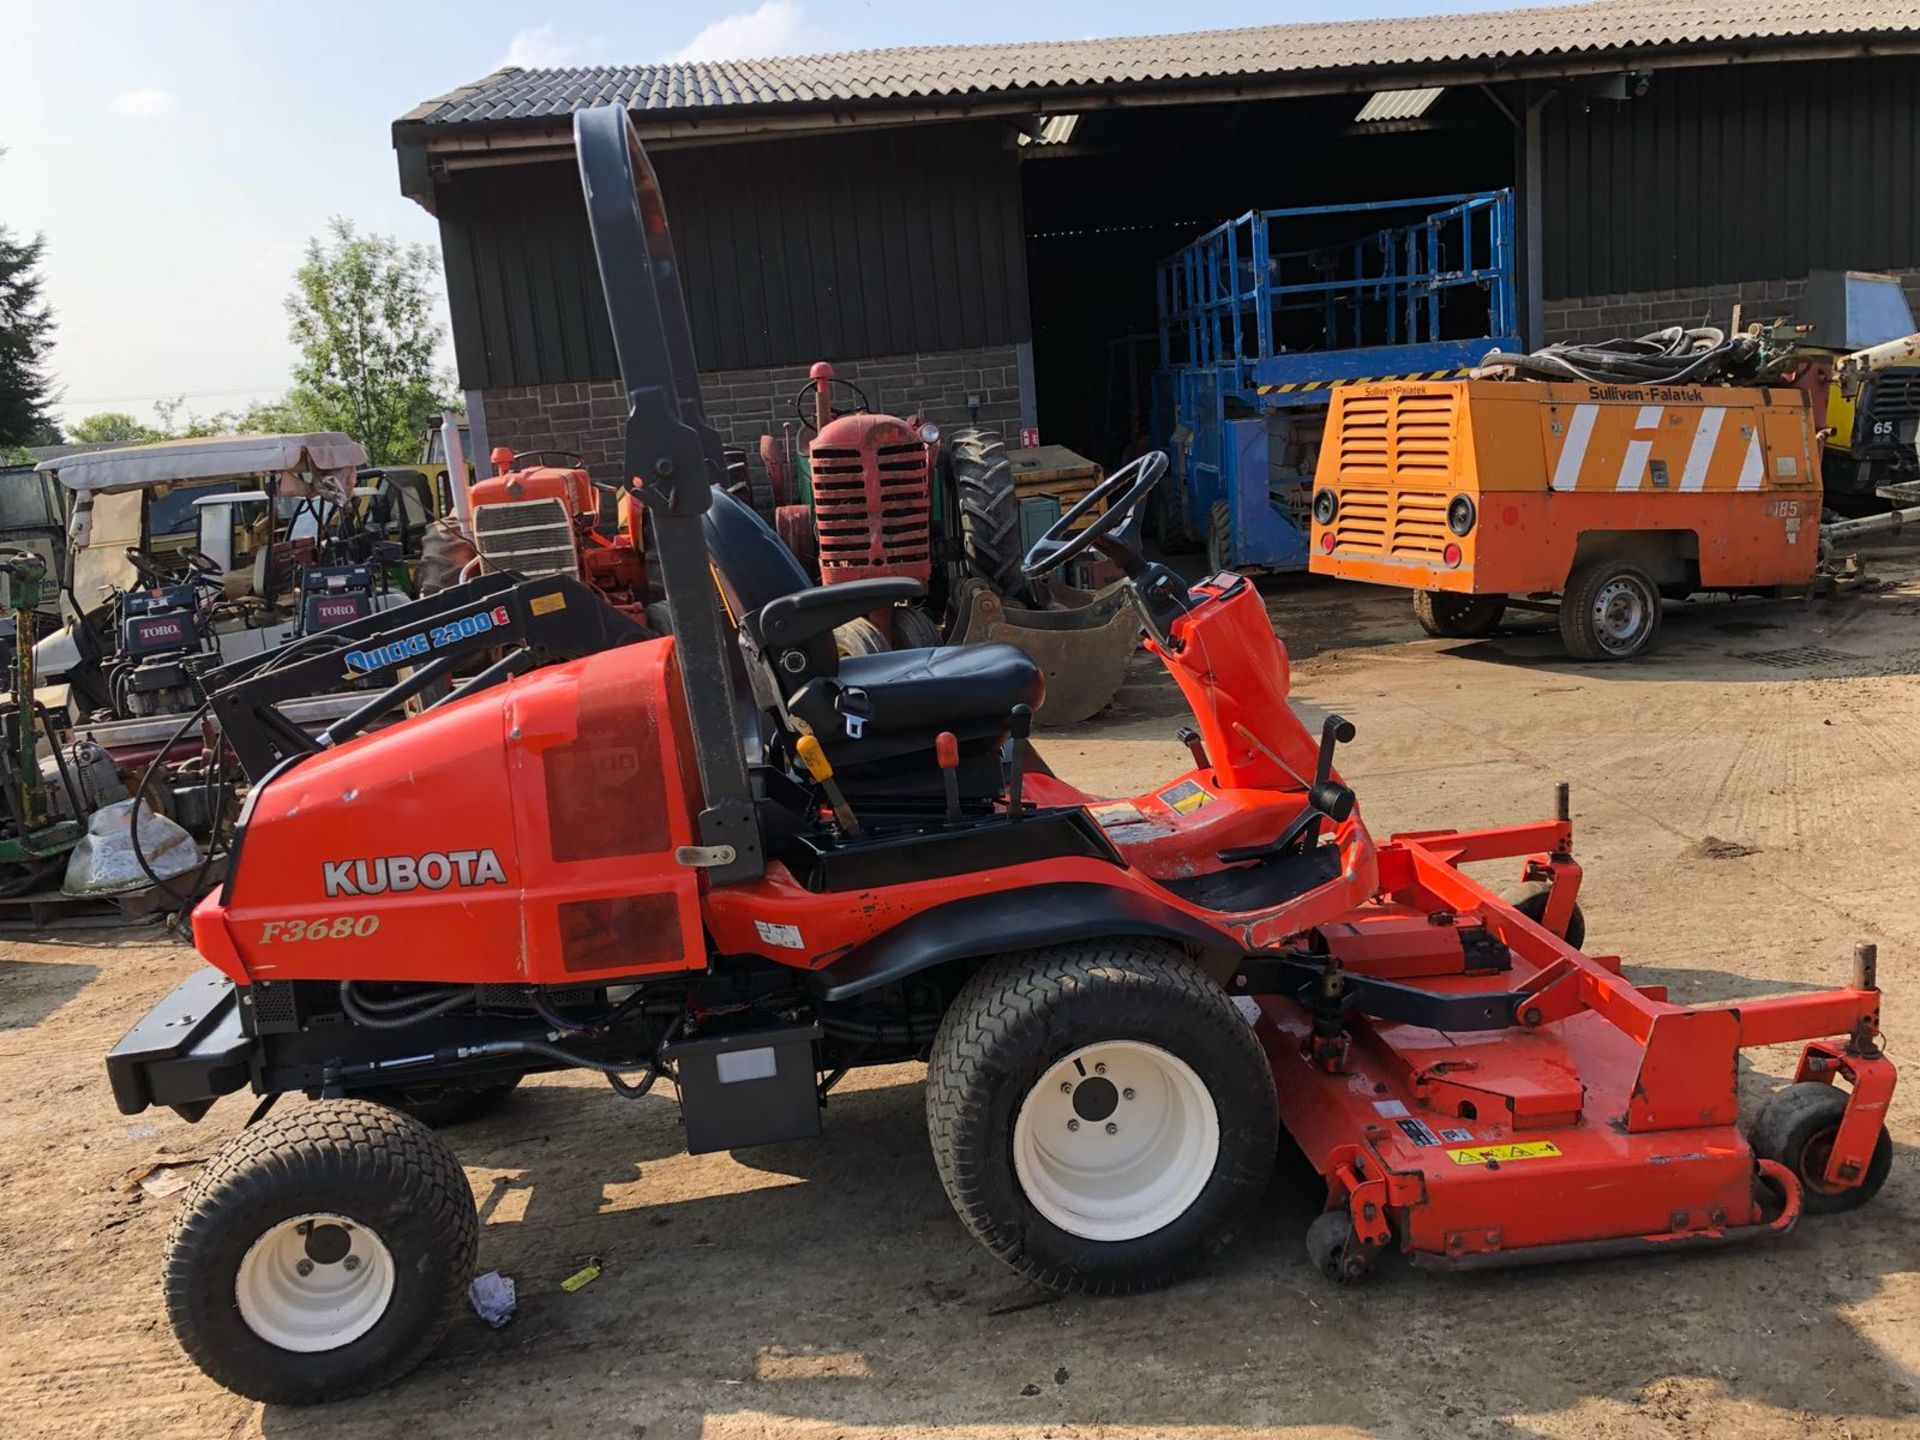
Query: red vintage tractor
[[868, 494]]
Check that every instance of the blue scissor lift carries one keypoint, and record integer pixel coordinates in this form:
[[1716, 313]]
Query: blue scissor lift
[[1254, 335]]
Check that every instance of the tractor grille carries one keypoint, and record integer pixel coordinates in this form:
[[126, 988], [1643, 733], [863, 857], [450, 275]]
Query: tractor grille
[[1895, 396], [1395, 453], [530, 537], [871, 510]]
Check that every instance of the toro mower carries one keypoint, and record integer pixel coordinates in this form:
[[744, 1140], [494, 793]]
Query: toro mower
[[743, 863]]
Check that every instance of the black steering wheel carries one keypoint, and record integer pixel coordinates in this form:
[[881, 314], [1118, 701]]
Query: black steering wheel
[[812, 388], [144, 566], [200, 562], [1115, 533]]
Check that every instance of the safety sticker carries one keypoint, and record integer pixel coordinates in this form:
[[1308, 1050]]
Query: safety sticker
[[1389, 1109], [787, 937], [1501, 1154], [1186, 797], [1456, 1137], [547, 604], [1418, 1131]]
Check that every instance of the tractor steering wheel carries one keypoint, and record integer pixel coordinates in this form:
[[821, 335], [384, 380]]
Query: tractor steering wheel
[[812, 388], [1115, 533], [200, 562]]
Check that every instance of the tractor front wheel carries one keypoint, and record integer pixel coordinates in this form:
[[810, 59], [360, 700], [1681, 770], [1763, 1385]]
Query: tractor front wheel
[[322, 1253], [1101, 1115]]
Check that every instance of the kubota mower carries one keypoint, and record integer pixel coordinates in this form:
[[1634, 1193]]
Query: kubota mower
[[749, 867]]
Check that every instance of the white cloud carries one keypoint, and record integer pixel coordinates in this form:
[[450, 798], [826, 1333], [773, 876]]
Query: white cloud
[[541, 47], [143, 104], [776, 27]]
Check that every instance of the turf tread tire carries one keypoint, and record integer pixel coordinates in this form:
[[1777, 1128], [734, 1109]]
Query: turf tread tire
[[1531, 901], [300, 1162], [989, 504], [442, 1105], [1020, 1013]]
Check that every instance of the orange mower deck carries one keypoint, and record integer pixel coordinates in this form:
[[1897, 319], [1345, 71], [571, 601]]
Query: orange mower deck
[[1599, 1118]]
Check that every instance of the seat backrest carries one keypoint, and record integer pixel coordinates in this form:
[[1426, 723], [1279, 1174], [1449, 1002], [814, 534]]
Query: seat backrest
[[749, 560]]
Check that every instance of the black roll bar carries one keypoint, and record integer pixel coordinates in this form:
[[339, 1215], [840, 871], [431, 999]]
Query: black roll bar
[[673, 460]]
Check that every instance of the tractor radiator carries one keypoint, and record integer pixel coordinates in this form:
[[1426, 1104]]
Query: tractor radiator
[[871, 509], [533, 538]]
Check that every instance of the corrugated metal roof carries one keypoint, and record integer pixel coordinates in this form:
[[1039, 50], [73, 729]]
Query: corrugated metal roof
[[946, 72]]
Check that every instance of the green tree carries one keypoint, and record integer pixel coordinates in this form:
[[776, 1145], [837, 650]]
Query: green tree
[[113, 427], [26, 330], [362, 311]]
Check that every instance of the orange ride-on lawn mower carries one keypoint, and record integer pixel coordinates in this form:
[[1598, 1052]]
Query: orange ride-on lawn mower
[[621, 863]]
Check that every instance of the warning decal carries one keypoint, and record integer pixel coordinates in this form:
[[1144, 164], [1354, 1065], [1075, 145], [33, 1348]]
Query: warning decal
[[1186, 797], [1501, 1154]]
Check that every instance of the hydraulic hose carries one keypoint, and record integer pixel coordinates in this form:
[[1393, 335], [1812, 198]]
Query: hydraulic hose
[[1674, 356], [398, 1014]]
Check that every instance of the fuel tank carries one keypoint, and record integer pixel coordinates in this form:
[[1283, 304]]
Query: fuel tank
[[525, 835]]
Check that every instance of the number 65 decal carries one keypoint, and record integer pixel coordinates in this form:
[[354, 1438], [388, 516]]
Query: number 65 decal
[[326, 927]]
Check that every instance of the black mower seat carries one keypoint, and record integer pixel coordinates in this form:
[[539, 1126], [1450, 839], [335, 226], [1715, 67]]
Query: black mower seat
[[954, 687]]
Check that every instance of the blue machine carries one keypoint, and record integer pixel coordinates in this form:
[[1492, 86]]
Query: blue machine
[[1253, 336]]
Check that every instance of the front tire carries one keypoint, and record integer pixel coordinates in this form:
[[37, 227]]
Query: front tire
[[1609, 611], [1448, 616], [321, 1254], [1101, 1116]]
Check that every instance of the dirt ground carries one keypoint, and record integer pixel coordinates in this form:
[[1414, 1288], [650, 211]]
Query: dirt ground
[[1746, 809]]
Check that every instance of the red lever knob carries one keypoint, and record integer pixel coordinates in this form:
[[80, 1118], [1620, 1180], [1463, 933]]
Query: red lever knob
[[946, 749]]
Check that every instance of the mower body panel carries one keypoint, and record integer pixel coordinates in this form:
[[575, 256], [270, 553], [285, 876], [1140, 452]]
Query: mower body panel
[[525, 835], [1711, 488]]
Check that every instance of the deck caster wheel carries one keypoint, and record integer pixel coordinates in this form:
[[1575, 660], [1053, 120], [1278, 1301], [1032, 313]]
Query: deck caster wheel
[[1797, 1126], [1531, 901], [1101, 1116], [1335, 1250], [322, 1253]]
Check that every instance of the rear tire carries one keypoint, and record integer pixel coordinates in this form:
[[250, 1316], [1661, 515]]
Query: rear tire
[[375, 1207], [1448, 616], [1797, 1126], [1610, 611], [989, 505], [1019, 1104], [437, 1106]]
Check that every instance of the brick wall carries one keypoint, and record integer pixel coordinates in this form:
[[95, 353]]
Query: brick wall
[[746, 404], [1605, 317]]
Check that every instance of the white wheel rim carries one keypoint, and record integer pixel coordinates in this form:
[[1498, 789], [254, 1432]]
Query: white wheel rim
[[1116, 1141], [315, 1282]]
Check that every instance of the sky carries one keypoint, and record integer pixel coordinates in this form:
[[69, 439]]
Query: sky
[[177, 156]]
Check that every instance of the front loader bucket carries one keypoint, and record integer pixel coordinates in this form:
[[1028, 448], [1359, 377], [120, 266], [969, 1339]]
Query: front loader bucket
[[1083, 648]]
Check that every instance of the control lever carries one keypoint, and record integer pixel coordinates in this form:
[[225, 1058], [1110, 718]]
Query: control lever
[[946, 749], [1327, 799], [818, 766], [1196, 747], [1019, 727]]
